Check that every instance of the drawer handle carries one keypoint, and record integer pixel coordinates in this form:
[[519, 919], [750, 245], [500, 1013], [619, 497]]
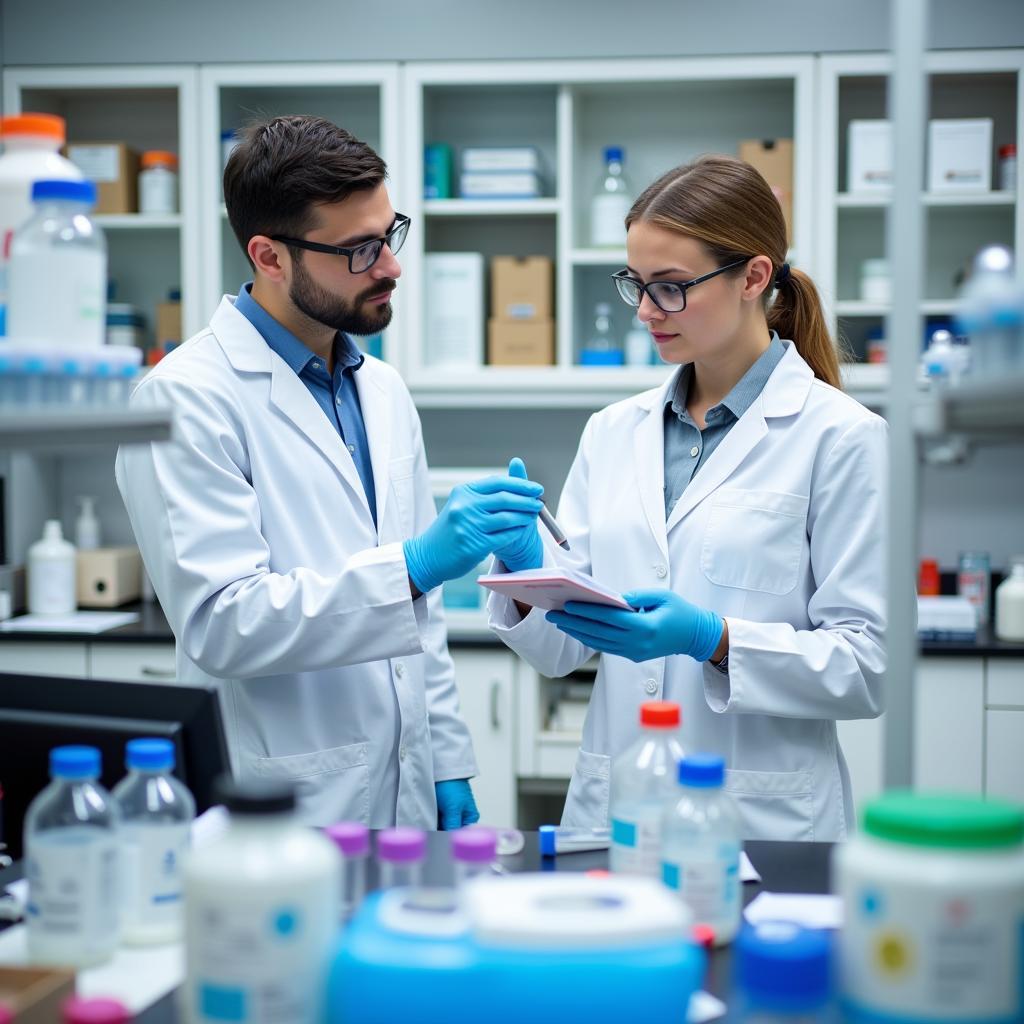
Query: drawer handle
[[495, 694], [158, 673]]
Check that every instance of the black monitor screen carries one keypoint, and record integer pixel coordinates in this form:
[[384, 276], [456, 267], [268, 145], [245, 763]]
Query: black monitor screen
[[38, 713]]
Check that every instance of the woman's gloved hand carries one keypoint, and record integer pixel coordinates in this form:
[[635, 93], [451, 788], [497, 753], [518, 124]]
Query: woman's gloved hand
[[455, 805]]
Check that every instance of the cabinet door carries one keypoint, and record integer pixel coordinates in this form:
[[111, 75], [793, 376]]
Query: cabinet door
[[133, 663], [1004, 755], [949, 725], [485, 680], [45, 659], [1004, 680], [862, 743]]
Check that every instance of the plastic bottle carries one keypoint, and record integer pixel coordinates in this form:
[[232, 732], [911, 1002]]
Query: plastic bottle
[[156, 818], [611, 202], [57, 275], [353, 842], [31, 153], [71, 852], [401, 853], [991, 313], [639, 348], [1010, 603], [158, 182], [643, 780], [474, 851], [602, 347], [97, 1010], [51, 573], [942, 361], [974, 580], [700, 847], [261, 912], [784, 975], [87, 526]]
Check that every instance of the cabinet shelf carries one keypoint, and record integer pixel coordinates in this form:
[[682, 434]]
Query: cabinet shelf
[[59, 431], [982, 409], [599, 257], [492, 207], [880, 200], [858, 307], [138, 221]]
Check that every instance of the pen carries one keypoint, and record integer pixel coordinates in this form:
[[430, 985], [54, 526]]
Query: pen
[[553, 528]]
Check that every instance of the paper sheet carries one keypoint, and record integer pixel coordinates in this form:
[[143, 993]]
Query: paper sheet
[[76, 622], [550, 588], [748, 873], [811, 911]]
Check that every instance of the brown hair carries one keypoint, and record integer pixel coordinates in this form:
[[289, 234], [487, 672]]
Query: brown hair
[[282, 167], [726, 204]]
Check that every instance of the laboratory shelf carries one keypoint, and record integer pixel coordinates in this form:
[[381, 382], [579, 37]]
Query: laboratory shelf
[[137, 221], [492, 207], [599, 257], [858, 307], [983, 410], [879, 200], [59, 431]]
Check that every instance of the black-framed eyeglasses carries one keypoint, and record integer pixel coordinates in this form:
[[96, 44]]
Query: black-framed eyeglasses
[[361, 257], [668, 296]]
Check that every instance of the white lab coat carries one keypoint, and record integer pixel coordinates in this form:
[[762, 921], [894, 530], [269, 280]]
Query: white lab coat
[[781, 533], [255, 530]]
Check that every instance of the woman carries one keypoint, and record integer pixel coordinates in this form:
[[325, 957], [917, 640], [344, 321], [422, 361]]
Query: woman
[[739, 508]]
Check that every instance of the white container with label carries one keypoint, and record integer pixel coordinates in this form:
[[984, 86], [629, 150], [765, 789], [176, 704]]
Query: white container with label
[[643, 781], [51, 573], [261, 914], [454, 310], [158, 182], [1010, 603], [933, 903]]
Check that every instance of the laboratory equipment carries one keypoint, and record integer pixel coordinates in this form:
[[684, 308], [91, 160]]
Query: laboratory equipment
[[87, 526], [554, 839], [71, 862], [875, 281], [611, 202], [700, 846], [991, 313], [261, 912], [94, 1010], [400, 856], [352, 838], [156, 818], [51, 573], [928, 578], [1008, 168], [973, 582], [1010, 603], [57, 275], [602, 348], [639, 348], [643, 780], [158, 182], [944, 363], [474, 850], [933, 900]]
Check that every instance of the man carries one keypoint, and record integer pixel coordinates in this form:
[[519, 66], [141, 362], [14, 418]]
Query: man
[[290, 531]]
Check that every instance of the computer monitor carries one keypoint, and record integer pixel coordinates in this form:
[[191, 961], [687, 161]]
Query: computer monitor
[[38, 713]]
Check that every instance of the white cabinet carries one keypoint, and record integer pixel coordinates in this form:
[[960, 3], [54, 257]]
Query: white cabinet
[[861, 741], [1004, 729], [949, 725], [486, 680], [133, 663], [45, 659]]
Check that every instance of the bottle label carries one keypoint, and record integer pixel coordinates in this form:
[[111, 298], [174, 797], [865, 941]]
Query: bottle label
[[608, 219], [710, 885], [636, 844], [152, 874]]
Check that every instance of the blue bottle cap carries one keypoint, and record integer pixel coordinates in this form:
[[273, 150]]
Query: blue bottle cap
[[74, 763], [149, 755], [546, 838], [615, 153], [784, 967], [703, 771], [74, 191]]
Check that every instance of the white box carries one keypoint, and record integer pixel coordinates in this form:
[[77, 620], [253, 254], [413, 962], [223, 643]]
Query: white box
[[454, 322], [501, 158], [499, 185], [960, 155], [946, 618], [869, 156]]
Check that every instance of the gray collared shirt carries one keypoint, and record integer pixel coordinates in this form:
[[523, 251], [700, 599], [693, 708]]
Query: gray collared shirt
[[687, 447]]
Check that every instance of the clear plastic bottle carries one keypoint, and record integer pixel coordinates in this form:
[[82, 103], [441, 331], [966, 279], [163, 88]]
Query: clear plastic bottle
[[974, 581], [156, 818], [474, 851], [784, 975], [639, 348], [58, 270], [700, 847], [944, 362], [611, 202], [353, 842], [602, 347], [71, 854], [991, 314], [400, 855], [1010, 603], [51, 573], [643, 780]]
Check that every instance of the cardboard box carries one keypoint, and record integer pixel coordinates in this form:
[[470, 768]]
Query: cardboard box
[[108, 577], [114, 166], [35, 994], [453, 288], [520, 343], [774, 159], [960, 155], [521, 289], [168, 322], [869, 156]]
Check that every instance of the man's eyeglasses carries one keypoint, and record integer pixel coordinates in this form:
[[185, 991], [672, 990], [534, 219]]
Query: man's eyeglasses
[[668, 296], [361, 257]]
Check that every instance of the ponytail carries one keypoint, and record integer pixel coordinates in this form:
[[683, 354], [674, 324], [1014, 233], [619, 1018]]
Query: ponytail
[[796, 313]]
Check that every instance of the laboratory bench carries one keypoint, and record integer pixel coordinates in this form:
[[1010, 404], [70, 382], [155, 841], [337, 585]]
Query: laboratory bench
[[784, 867]]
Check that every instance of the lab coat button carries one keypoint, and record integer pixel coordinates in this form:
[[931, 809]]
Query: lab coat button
[[401, 753], [651, 686], [660, 571], [400, 669], [352, 448], [694, 451]]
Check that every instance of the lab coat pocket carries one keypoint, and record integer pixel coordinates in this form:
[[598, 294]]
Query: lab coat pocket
[[773, 805], [586, 805], [401, 475], [754, 539], [337, 778]]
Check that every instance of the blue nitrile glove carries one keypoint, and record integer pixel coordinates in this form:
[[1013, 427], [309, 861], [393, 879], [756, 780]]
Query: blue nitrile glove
[[455, 805], [525, 551], [477, 519], [662, 624]]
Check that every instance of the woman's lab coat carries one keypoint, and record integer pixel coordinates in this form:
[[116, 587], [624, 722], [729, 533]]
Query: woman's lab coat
[[781, 533], [255, 530]]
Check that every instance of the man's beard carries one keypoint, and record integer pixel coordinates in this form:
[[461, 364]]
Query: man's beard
[[331, 311]]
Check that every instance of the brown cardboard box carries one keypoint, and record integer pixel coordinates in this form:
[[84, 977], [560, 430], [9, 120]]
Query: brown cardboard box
[[115, 169], [35, 994], [168, 322], [108, 577], [520, 342], [521, 288], [774, 159]]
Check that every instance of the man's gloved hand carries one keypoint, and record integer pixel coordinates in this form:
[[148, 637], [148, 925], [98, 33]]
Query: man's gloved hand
[[477, 519], [455, 805], [525, 551], [662, 624]]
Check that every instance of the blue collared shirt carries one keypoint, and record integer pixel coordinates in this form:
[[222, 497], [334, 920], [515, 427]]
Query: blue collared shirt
[[687, 447], [335, 393]]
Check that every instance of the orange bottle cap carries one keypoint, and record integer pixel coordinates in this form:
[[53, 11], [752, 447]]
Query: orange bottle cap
[[49, 125], [159, 158]]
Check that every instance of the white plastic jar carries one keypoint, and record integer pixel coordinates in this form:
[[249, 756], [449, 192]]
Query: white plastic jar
[[933, 898], [158, 182], [875, 281]]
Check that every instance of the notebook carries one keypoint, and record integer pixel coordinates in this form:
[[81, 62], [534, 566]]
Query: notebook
[[551, 587]]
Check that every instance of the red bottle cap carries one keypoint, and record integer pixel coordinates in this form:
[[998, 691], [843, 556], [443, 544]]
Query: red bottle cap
[[94, 1011], [661, 714]]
